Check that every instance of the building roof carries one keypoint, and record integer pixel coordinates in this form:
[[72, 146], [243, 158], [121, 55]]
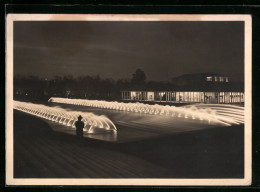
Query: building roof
[[198, 75], [191, 82]]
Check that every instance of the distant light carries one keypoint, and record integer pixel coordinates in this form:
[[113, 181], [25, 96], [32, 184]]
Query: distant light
[[226, 79], [209, 78]]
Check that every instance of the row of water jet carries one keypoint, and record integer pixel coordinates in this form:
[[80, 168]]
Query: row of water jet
[[192, 112], [67, 118], [236, 113]]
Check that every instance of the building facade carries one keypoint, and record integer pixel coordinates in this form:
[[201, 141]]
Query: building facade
[[184, 96], [191, 88]]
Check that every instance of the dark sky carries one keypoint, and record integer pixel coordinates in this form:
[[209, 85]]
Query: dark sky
[[116, 49]]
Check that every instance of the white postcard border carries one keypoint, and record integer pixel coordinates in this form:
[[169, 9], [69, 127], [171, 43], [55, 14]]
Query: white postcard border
[[10, 180]]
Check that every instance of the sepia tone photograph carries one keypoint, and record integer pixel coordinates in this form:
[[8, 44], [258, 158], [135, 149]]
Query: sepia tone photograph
[[128, 99]]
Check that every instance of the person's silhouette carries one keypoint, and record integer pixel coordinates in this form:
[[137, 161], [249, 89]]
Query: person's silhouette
[[79, 127]]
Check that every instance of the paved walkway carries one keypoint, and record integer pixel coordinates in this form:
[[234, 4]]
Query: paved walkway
[[41, 153]]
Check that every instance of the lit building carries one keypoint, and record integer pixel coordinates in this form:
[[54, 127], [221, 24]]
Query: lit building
[[191, 88]]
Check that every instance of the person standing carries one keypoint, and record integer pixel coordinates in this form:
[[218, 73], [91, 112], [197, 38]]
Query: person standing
[[79, 127]]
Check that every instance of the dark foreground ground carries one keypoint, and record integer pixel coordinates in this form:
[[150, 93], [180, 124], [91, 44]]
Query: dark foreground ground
[[39, 152]]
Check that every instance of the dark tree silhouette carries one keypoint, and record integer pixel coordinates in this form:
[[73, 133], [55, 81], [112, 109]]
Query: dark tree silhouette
[[139, 77], [83, 87]]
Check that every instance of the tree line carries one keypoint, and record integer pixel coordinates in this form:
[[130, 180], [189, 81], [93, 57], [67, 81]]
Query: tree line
[[88, 87]]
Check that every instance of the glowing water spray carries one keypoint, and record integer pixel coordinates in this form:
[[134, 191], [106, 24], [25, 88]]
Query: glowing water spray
[[223, 114], [67, 118]]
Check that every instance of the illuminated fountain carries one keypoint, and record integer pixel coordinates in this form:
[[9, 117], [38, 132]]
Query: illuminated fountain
[[222, 114], [93, 123]]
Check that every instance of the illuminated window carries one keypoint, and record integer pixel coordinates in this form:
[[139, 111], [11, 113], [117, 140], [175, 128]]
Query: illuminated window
[[216, 79], [226, 79], [209, 78], [221, 79], [133, 94]]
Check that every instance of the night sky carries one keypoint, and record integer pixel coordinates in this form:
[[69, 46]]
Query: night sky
[[115, 49]]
